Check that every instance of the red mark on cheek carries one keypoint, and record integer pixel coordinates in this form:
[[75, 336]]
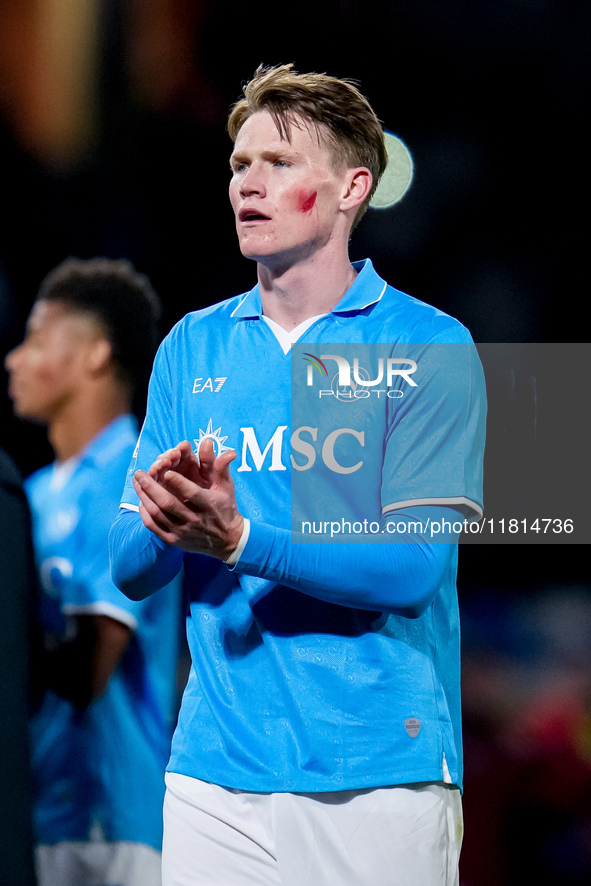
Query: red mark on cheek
[[306, 201]]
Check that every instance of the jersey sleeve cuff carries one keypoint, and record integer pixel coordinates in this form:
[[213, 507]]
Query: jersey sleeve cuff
[[102, 608], [257, 549], [474, 511], [236, 553]]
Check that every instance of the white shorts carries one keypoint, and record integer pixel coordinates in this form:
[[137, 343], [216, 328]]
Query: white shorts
[[97, 863], [403, 836]]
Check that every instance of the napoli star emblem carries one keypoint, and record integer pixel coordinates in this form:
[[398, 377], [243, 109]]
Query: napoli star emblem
[[210, 434]]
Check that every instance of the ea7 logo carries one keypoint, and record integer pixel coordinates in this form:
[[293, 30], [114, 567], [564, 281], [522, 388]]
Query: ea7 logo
[[211, 384]]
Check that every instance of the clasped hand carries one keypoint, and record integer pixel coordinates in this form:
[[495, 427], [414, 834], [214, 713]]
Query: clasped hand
[[189, 503]]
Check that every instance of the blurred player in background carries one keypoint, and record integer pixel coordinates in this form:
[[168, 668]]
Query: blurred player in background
[[319, 736], [101, 738]]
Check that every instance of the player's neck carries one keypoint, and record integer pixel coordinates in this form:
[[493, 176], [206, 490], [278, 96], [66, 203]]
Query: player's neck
[[307, 289], [80, 420]]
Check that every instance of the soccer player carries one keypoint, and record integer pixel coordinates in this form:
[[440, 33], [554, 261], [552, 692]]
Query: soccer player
[[319, 736], [101, 737]]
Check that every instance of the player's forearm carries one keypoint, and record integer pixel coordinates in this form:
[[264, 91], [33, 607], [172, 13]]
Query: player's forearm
[[80, 668], [140, 563], [400, 578]]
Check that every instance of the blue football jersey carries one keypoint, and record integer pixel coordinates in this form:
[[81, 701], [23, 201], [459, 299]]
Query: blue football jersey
[[101, 767], [298, 687]]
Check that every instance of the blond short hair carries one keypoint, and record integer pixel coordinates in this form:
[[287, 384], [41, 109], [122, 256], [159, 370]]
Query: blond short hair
[[342, 117]]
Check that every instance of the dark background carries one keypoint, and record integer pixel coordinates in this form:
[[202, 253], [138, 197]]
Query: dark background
[[491, 99]]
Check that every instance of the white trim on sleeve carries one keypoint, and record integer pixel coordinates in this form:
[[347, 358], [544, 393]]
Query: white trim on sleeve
[[457, 500], [102, 608]]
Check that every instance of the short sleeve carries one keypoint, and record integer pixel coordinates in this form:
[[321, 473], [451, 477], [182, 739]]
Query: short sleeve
[[89, 589], [435, 441]]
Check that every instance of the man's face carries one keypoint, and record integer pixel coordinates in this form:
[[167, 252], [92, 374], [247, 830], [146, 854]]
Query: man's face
[[47, 369], [285, 197]]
